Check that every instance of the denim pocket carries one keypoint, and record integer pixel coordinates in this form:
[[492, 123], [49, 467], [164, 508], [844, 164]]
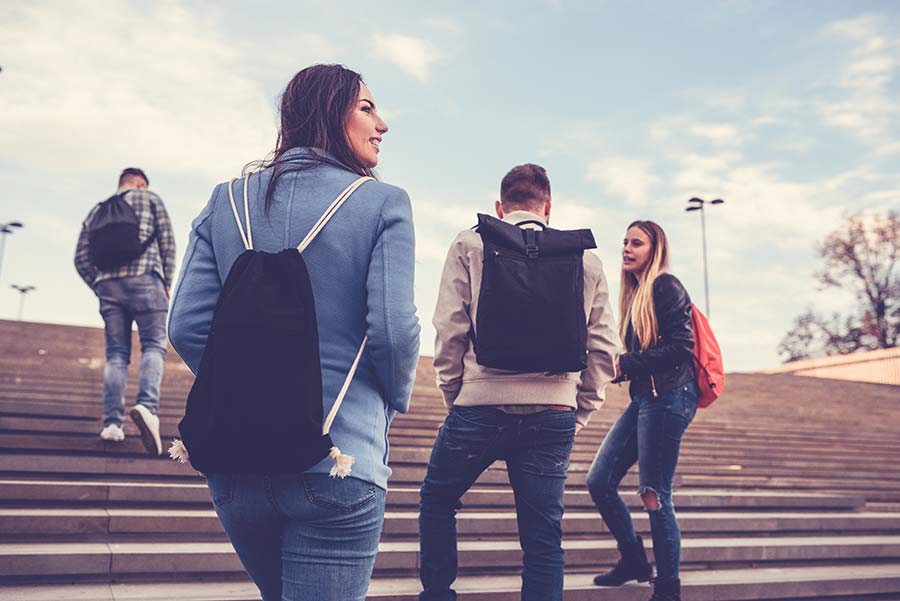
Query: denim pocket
[[221, 488], [689, 401], [548, 459], [549, 453], [148, 293], [345, 495], [682, 401], [464, 438]]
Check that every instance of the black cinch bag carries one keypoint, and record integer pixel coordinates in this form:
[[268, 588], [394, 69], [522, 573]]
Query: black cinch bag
[[256, 403], [531, 302], [114, 234]]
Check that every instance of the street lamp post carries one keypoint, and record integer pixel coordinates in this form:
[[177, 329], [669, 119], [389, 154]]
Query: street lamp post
[[697, 204], [6, 228], [23, 290]]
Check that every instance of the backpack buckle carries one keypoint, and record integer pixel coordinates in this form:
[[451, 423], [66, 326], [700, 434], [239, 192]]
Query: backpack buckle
[[531, 248]]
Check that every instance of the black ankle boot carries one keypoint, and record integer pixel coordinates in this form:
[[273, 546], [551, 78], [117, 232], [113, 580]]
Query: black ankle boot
[[666, 591], [633, 565]]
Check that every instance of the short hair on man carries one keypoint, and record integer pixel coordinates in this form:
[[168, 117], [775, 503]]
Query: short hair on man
[[525, 186], [129, 174]]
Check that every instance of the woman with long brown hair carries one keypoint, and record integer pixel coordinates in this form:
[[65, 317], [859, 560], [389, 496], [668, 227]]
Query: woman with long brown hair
[[301, 533], [655, 327]]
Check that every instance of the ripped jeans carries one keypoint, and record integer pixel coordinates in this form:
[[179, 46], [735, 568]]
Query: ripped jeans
[[536, 448], [648, 432]]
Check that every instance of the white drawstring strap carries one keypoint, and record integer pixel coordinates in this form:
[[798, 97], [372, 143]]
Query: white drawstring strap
[[247, 210], [342, 462], [330, 211], [248, 242]]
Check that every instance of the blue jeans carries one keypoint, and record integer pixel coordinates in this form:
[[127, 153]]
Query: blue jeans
[[304, 537], [648, 432], [140, 299], [536, 448]]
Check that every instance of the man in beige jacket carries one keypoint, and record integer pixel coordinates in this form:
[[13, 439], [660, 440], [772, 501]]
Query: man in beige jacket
[[527, 419]]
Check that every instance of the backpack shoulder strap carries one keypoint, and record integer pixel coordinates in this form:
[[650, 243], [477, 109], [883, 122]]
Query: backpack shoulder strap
[[248, 237], [330, 211], [326, 425]]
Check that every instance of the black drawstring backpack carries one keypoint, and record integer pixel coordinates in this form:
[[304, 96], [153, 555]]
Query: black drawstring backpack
[[114, 234], [256, 403], [531, 301]]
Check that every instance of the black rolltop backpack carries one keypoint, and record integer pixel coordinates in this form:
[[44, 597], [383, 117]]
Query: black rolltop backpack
[[530, 314], [256, 403]]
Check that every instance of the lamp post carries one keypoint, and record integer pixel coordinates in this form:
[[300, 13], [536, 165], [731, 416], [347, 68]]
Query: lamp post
[[6, 228], [23, 290], [697, 204]]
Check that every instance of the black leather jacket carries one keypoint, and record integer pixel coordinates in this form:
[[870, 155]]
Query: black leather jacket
[[670, 363]]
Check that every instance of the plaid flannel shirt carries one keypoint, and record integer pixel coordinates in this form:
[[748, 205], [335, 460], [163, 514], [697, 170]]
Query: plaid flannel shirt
[[159, 257]]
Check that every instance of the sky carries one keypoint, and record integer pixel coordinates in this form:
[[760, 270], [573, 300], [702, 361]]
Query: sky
[[786, 110]]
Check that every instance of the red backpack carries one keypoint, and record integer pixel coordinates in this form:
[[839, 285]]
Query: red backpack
[[708, 359]]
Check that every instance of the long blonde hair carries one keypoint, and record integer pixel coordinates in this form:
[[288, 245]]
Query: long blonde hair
[[636, 293]]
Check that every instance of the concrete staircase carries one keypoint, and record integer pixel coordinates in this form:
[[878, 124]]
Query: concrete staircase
[[788, 488]]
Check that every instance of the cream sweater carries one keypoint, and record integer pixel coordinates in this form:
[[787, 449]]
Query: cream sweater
[[465, 383]]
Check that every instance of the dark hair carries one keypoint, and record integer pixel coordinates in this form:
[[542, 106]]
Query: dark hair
[[130, 173], [525, 186], [315, 106]]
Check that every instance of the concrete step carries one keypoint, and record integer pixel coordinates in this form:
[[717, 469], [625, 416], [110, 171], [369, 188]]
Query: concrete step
[[76, 390], [140, 464], [72, 432], [36, 561], [834, 582], [886, 475], [98, 490], [40, 523], [77, 431]]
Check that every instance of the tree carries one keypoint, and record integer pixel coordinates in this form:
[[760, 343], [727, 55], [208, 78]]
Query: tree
[[860, 256]]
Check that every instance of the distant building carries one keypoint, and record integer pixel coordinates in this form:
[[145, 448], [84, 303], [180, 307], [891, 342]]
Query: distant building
[[880, 367]]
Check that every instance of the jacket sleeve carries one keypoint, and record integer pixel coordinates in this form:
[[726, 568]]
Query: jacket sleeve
[[83, 264], [165, 239], [452, 321], [602, 346], [676, 338], [197, 291], [391, 321]]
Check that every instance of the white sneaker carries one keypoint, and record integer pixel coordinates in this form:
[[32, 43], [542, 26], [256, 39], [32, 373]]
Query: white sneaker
[[112, 433], [148, 424]]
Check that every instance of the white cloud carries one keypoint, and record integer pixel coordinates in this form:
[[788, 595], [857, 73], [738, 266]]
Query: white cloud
[[700, 173], [668, 130], [90, 90], [888, 148], [718, 133], [627, 178], [763, 120], [444, 24], [413, 55], [865, 106], [841, 180]]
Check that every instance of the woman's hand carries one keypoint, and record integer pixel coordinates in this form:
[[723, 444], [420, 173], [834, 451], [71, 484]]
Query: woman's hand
[[620, 377]]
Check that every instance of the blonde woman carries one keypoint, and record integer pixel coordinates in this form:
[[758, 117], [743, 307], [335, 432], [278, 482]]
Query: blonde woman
[[655, 328]]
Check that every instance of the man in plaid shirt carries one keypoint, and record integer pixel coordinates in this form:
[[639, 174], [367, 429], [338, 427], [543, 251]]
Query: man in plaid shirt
[[137, 291]]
